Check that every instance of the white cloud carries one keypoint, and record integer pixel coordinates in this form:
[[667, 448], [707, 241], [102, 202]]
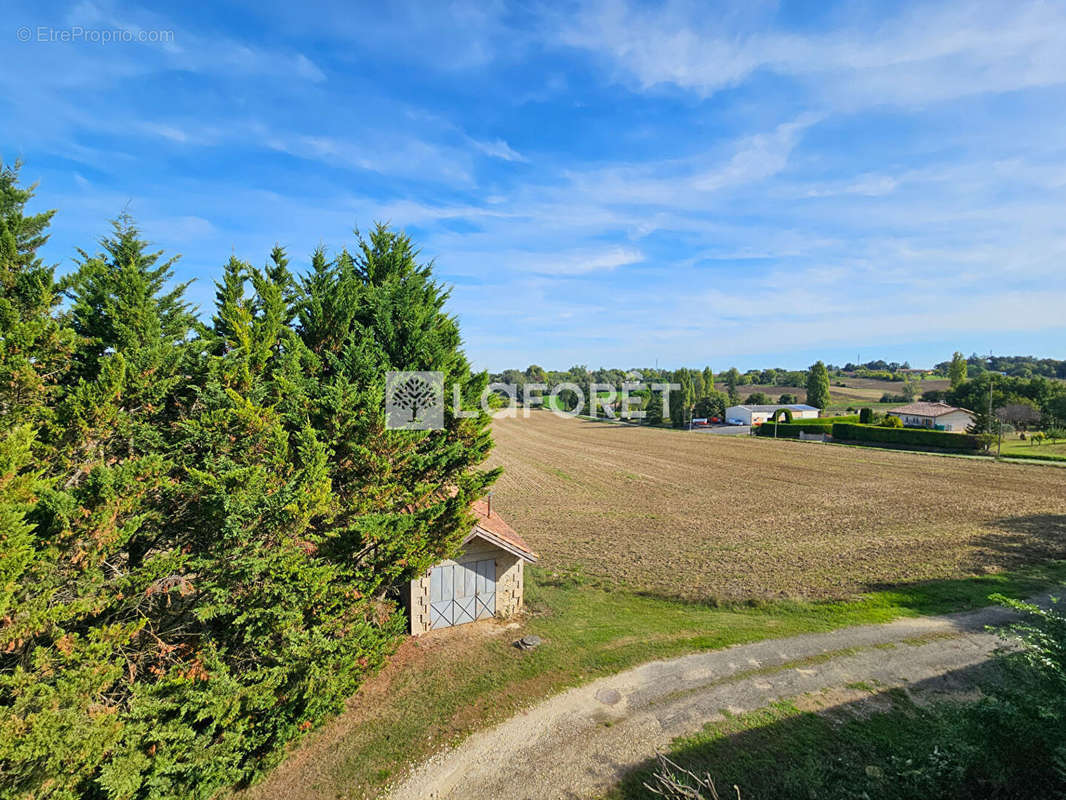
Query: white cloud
[[499, 149], [759, 157], [378, 151], [170, 132], [581, 262], [925, 53]]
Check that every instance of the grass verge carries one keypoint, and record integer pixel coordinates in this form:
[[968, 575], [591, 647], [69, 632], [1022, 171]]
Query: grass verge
[[898, 751], [1015, 448], [441, 687]]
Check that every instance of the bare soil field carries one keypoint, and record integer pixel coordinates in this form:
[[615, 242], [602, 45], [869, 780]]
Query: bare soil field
[[854, 390], [715, 517]]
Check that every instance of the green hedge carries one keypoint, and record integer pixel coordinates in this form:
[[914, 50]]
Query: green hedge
[[905, 436], [830, 421], [792, 430]]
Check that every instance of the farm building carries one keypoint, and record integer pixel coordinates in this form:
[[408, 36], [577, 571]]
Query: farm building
[[757, 415], [939, 416], [485, 580]]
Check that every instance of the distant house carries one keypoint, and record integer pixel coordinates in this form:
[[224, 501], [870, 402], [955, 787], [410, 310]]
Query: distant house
[[485, 580], [757, 415], [939, 416]]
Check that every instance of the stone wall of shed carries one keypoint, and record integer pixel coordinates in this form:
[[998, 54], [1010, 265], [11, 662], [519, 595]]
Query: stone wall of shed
[[510, 584], [418, 605]]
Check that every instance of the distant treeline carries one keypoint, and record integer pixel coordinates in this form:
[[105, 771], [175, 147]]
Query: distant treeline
[[698, 393], [1015, 366], [582, 375]]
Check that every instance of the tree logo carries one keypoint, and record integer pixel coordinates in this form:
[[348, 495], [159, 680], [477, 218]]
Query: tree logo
[[414, 401]]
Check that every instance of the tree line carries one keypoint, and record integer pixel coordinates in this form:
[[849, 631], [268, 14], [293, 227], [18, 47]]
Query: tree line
[[202, 523], [695, 394]]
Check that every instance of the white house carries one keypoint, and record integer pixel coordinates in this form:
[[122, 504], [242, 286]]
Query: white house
[[757, 415], [939, 416]]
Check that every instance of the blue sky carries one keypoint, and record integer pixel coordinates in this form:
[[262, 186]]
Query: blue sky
[[610, 183]]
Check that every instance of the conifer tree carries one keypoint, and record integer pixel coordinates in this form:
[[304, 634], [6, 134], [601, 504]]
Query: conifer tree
[[201, 567], [277, 271], [93, 612], [958, 369], [681, 399], [818, 386], [33, 348]]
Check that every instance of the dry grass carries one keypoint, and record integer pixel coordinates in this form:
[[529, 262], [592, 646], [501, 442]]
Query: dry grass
[[702, 516]]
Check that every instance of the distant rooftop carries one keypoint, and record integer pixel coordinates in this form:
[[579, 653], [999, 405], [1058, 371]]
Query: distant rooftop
[[927, 409], [789, 406]]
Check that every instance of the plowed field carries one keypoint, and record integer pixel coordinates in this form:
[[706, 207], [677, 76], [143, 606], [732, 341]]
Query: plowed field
[[703, 516]]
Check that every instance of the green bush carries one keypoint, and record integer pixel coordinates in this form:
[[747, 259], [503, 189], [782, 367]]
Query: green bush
[[1024, 715], [917, 437], [866, 416], [891, 421]]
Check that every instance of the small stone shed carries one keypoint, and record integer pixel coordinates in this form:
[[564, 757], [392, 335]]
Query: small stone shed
[[485, 580]]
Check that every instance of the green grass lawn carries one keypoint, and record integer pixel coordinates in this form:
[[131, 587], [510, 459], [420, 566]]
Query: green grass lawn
[[440, 688], [1016, 448], [900, 751], [839, 407]]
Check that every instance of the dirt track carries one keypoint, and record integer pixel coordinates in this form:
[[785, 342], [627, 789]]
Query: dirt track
[[702, 516], [580, 743]]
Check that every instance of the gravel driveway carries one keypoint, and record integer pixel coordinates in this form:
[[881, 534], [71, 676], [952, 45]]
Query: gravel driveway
[[579, 743]]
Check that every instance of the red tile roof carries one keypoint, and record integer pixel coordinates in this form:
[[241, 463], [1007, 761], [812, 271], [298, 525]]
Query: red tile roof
[[495, 526]]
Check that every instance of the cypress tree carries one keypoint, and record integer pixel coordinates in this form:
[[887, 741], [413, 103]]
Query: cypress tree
[[201, 567], [681, 399], [708, 380], [93, 615], [818, 386], [958, 370], [654, 408], [33, 348]]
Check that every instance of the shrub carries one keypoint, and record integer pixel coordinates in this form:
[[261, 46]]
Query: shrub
[[1024, 716], [917, 437], [674, 782], [891, 421], [866, 416]]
